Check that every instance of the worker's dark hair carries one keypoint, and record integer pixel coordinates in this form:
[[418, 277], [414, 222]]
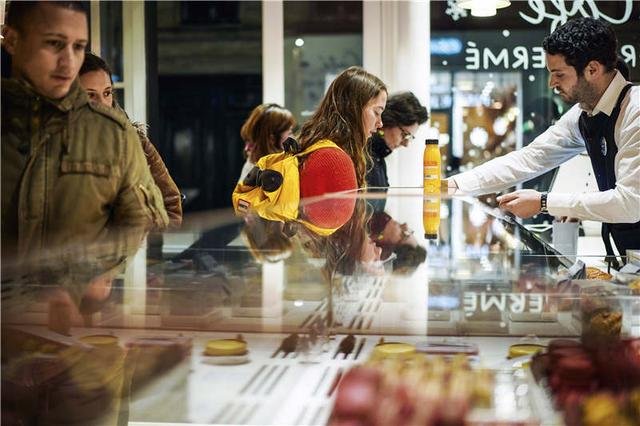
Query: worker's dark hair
[[582, 40]]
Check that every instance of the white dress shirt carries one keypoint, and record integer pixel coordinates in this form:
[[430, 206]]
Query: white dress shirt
[[563, 141]]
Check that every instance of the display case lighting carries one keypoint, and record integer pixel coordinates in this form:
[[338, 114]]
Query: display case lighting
[[482, 8]]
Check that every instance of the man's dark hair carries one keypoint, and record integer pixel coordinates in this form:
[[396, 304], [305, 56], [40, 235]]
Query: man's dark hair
[[408, 258], [403, 109], [18, 12], [582, 40], [93, 62]]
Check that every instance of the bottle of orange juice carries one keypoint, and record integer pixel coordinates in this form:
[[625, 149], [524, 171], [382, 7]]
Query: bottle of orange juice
[[431, 214], [431, 163]]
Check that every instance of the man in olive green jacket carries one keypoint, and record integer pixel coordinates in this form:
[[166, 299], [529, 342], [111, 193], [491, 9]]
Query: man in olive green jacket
[[73, 173]]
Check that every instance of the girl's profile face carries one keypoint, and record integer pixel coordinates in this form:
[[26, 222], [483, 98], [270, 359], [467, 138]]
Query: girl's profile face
[[372, 113], [370, 252]]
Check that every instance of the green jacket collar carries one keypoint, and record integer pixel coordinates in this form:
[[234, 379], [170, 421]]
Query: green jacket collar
[[22, 92]]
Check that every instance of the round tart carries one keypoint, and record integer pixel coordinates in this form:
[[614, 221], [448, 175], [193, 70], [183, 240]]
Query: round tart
[[100, 340], [523, 349], [225, 347], [393, 350]]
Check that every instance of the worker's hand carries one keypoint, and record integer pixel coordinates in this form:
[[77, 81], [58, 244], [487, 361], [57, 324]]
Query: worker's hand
[[446, 184], [524, 203]]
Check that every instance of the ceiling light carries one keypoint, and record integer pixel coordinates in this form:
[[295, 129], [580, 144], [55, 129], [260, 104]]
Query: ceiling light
[[483, 7]]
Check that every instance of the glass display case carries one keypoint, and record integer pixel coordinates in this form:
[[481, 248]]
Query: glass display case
[[418, 308]]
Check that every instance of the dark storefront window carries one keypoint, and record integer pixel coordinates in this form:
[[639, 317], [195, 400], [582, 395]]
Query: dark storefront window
[[489, 91], [204, 79], [111, 38]]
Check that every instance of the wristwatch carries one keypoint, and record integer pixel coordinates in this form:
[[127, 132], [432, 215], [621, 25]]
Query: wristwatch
[[543, 203]]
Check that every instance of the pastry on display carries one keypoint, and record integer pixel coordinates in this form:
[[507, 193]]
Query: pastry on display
[[600, 320], [346, 346], [226, 351], [100, 340], [288, 345], [601, 313], [593, 385], [596, 274], [411, 389], [391, 350], [605, 323], [225, 347], [524, 349], [604, 408]]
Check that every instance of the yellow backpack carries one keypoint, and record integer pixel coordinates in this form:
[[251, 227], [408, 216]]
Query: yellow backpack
[[272, 188]]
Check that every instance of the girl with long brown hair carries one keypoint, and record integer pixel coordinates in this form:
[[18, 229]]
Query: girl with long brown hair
[[349, 113]]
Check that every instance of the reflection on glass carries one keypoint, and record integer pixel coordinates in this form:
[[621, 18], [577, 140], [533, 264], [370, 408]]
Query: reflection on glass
[[324, 298], [321, 40], [431, 215], [486, 111]]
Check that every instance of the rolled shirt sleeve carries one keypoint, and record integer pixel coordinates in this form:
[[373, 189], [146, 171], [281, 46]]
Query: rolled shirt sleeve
[[621, 204], [558, 144]]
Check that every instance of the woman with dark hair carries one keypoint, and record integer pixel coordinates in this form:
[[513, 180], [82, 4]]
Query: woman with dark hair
[[394, 237], [401, 117], [348, 114], [264, 132], [95, 78]]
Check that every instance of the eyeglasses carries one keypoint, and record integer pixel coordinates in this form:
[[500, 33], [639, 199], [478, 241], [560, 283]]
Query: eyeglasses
[[406, 234], [406, 135]]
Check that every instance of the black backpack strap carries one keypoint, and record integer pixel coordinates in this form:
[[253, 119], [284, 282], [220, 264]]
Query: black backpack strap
[[291, 146]]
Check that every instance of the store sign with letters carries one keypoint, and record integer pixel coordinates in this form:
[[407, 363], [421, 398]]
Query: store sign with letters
[[517, 303], [507, 51]]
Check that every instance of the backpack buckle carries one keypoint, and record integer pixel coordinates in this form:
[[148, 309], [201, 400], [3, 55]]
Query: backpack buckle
[[291, 145]]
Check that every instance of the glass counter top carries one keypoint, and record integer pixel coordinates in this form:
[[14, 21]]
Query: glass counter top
[[404, 263], [252, 321]]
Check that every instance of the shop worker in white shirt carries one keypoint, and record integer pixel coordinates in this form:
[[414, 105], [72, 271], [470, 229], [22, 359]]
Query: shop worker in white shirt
[[581, 58]]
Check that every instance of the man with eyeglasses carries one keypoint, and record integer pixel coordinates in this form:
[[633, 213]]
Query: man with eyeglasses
[[400, 119]]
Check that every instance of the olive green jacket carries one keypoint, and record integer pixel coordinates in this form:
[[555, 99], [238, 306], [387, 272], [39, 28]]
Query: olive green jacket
[[73, 173]]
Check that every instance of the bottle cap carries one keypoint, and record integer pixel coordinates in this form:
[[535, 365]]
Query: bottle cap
[[431, 142], [431, 236]]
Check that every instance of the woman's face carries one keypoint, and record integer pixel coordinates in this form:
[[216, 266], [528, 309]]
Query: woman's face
[[98, 86], [395, 233], [372, 113], [370, 252], [395, 137]]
